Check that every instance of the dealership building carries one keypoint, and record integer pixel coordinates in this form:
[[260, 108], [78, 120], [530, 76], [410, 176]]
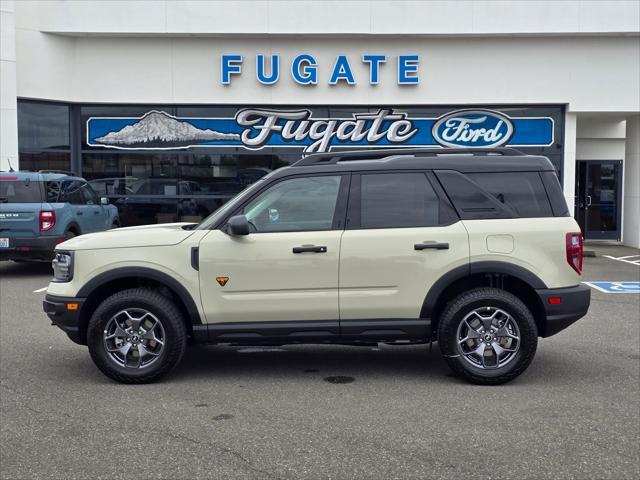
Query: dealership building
[[170, 108]]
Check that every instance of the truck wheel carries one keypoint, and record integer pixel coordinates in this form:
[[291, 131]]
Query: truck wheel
[[136, 336], [487, 336]]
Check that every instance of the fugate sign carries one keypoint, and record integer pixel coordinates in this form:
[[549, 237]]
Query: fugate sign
[[304, 69], [256, 128]]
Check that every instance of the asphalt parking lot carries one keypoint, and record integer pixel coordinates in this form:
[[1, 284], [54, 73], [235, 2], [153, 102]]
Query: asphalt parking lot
[[271, 412]]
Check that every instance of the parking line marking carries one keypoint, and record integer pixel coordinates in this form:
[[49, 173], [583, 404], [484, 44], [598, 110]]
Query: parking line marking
[[615, 287], [624, 259], [596, 287], [40, 290]]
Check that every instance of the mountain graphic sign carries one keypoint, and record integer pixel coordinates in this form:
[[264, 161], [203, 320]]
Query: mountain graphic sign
[[256, 128]]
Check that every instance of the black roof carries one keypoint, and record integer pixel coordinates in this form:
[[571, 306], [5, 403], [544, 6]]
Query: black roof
[[460, 159]]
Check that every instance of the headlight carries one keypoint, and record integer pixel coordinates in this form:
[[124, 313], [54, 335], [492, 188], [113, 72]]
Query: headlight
[[62, 267]]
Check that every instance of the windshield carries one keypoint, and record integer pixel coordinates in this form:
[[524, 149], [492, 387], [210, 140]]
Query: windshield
[[19, 191], [212, 219]]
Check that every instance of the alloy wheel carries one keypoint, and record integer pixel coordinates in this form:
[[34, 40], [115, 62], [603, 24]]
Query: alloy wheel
[[488, 337], [134, 338]]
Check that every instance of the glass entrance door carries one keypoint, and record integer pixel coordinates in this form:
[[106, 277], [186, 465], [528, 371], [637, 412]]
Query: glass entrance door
[[598, 194]]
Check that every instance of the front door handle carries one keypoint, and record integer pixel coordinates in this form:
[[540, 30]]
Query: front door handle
[[310, 248], [434, 245], [80, 213]]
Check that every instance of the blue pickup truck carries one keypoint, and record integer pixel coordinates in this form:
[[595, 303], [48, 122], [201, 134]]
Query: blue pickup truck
[[39, 210]]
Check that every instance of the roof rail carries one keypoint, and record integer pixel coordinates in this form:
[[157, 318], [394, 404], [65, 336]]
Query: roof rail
[[330, 158], [61, 172]]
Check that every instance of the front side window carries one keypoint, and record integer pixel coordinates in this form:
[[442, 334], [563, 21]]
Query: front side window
[[298, 204], [88, 196], [396, 200]]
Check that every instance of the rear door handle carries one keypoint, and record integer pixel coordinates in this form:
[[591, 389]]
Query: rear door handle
[[96, 212], [310, 248], [434, 245]]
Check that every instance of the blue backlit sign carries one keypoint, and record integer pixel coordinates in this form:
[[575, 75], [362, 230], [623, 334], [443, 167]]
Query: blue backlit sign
[[304, 69], [255, 128]]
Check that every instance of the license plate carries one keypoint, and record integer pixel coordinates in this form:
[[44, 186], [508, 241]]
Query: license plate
[[4, 243]]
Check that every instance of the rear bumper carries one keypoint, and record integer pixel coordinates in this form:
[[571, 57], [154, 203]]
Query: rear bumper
[[30, 248], [67, 320], [574, 304]]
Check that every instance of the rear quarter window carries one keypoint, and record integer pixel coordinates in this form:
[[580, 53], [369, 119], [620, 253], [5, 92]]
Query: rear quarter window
[[521, 192], [554, 191], [469, 199], [52, 190], [20, 191]]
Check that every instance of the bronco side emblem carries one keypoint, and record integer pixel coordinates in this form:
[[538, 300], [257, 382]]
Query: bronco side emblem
[[222, 281]]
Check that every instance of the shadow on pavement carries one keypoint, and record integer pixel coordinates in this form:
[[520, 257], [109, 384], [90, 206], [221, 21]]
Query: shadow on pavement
[[237, 362], [293, 363], [26, 269]]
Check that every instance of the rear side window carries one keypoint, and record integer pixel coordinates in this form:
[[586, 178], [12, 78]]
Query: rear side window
[[19, 191], [521, 192], [396, 200]]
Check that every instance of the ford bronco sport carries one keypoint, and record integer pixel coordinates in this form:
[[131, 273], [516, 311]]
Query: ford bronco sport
[[474, 249], [39, 210]]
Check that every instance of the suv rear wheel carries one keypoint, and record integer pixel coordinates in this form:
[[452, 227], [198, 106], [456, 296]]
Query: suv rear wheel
[[136, 336], [487, 336]]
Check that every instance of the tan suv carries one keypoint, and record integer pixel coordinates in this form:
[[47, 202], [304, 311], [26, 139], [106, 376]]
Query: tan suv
[[474, 249]]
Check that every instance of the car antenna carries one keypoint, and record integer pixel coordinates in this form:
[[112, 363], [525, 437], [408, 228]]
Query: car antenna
[[10, 167]]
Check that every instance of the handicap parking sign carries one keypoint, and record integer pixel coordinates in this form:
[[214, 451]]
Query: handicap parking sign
[[616, 287]]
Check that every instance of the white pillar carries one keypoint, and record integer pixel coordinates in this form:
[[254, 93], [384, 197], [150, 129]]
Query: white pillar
[[8, 95], [631, 203], [569, 167]]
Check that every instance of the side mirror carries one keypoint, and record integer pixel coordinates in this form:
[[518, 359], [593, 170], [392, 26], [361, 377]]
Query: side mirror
[[238, 225], [104, 201]]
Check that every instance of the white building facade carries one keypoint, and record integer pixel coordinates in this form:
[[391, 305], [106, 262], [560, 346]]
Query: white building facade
[[171, 107]]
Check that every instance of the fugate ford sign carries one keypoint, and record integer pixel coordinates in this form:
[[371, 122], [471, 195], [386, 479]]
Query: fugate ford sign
[[256, 128], [304, 69]]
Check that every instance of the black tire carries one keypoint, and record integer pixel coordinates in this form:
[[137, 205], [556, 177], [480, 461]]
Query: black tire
[[68, 235], [170, 318], [115, 225], [454, 314]]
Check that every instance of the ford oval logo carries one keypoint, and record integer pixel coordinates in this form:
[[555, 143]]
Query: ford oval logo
[[472, 128]]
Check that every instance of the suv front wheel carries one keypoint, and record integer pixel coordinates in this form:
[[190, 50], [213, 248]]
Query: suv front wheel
[[136, 336], [487, 336]]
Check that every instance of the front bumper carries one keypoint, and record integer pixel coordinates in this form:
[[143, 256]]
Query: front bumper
[[68, 320], [574, 304], [30, 248]]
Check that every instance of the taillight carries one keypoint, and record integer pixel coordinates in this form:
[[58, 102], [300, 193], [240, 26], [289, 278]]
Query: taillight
[[47, 220], [574, 251]]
